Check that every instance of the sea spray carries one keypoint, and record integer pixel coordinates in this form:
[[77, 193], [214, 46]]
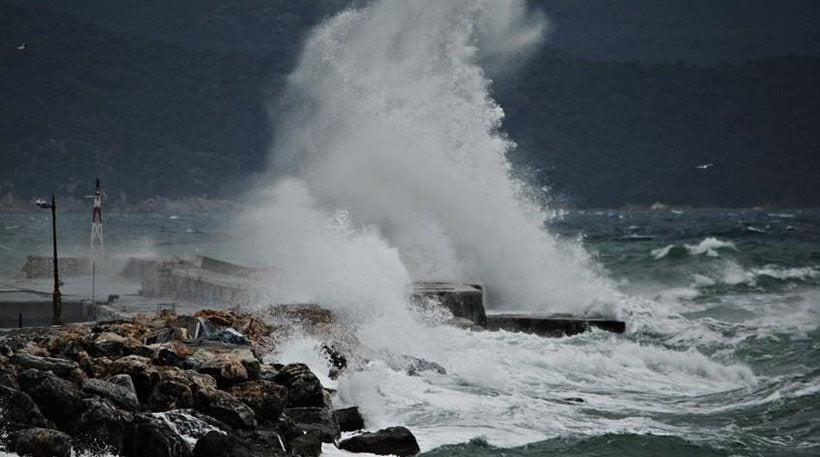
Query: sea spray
[[390, 166], [388, 121]]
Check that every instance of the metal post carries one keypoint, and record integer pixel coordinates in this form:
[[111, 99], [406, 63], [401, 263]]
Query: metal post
[[56, 300], [93, 280]]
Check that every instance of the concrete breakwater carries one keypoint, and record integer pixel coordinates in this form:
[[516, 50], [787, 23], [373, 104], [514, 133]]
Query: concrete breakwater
[[162, 386], [222, 283]]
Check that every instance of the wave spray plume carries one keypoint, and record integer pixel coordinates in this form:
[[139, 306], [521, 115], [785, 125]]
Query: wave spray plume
[[388, 125]]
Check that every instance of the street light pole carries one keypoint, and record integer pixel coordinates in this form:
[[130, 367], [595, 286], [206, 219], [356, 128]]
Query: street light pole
[[56, 299]]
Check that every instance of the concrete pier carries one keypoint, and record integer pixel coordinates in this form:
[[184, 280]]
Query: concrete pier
[[202, 279], [463, 300], [552, 326], [191, 283]]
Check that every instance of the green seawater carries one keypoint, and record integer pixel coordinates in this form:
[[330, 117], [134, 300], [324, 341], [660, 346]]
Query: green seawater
[[745, 287]]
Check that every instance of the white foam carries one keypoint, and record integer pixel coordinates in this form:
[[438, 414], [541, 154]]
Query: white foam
[[709, 246], [509, 387]]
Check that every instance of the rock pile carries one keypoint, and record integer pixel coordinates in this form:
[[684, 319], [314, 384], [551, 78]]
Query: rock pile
[[173, 386]]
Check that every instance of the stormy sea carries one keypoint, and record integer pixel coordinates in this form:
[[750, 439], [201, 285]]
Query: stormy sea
[[721, 356], [391, 167]]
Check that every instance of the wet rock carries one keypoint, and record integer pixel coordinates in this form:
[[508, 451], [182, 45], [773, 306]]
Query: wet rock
[[286, 428], [316, 419], [193, 325], [307, 445], [390, 441], [264, 442], [226, 363], [19, 410], [418, 366], [349, 419], [41, 442], [192, 424], [251, 326], [193, 379], [106, 344], [266, 398], [216, 444], [169, 395], [304, 387], [142, 374], [338, 362], [8, 376], [123, 380], [122, 396], [77, 376], [223, 406], [151, 437], [100, 424], [56, 397], [165, 335], [60, 367]]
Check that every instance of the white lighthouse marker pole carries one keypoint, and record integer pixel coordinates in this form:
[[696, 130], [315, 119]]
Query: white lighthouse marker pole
[[97, 246]]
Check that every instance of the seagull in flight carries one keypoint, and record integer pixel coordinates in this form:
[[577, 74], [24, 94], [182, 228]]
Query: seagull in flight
[[704, 166], [22, 46]]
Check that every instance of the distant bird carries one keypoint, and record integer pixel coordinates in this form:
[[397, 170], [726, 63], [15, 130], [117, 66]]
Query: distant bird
[[22, 46], [704, 166]]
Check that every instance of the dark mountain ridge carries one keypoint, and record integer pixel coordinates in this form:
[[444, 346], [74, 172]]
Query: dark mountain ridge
[[164, 116]]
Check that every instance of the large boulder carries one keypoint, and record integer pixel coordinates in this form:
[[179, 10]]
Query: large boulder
[[223, 406], [191, 378], [57, 398], [60, 367], [142, 373], [228, 364], [263, 442], [100, 424], [266, 398], [349, 419], [170, 395], [307, 445], [8, 375], [41, 442], [216, 444], [390, 441], [318, 419], [18, 410], [124, 397], [109, 344], [304, 388], [153, 437]]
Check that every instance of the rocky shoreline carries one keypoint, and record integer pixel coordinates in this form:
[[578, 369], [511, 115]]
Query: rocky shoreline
[[179, 386]]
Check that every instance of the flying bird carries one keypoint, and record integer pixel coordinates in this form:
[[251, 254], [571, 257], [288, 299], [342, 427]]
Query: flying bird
[[704, 166], [22, 46]]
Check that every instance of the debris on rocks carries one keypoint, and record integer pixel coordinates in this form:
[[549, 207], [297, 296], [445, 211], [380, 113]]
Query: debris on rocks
[[178, 386]]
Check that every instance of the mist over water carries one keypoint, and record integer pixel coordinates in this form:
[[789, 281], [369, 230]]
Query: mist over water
[[388, 125]]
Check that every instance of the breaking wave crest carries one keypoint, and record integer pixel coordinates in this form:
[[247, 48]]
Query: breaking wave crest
[[708, 246]]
